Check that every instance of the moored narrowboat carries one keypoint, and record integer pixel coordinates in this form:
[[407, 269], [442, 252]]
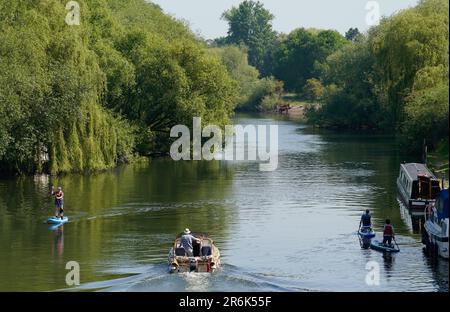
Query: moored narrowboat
[[418, 187]]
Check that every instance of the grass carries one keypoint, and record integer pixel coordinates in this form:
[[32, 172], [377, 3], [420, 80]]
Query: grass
[[296, 100]]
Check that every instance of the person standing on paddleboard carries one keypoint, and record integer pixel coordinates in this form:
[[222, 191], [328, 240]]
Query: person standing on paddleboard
[[388, 233], [366, 220], [59, 202]]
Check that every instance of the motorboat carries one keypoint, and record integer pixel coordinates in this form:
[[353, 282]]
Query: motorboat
[[205, 259]]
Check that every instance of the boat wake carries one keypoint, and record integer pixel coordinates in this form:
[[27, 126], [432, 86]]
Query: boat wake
[[156, 279]]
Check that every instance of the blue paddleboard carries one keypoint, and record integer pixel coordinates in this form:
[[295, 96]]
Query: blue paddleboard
[[376, 245], [366, 233], [55, 220]]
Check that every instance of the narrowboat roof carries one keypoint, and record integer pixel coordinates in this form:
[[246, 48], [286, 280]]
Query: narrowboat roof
[[416, 169]]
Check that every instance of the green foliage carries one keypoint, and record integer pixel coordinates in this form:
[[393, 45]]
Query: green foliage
[[74, 149], [250, 24], [82, 93], [353, 34], [302, 53], [266, 95], [404, 44], [394, 79], [254, 94], [313, 89], [427, 112], [247, 77]]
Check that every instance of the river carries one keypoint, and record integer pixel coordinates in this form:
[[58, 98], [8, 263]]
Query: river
[[292, 229]]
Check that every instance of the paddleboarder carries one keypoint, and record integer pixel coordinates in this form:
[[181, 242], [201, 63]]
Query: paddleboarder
[[366, 220], [388, 233], [59, 202]]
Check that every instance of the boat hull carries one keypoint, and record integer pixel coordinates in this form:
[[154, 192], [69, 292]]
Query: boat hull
[[434, 240]]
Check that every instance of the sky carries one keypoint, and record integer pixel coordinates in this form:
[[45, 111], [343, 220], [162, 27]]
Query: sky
[[204, 15]]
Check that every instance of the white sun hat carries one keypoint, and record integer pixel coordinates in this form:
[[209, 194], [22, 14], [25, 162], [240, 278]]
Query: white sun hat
[[187, 231]]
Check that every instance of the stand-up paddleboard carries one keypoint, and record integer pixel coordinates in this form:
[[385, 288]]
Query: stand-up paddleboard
[[57, 220], [366, 233], [377, 245]]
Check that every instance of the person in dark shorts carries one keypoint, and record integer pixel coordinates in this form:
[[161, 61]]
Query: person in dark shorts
[[366, 220], [388, 233], [59, 202]]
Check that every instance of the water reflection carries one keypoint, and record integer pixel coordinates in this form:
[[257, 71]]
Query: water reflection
[[388, 261], [58, 246], [291, 229], [127, 215]]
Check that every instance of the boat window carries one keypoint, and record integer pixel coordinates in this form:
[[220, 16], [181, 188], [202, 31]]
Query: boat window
[[415, 189]]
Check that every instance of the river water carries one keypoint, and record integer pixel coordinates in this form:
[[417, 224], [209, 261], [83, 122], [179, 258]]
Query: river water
[[292, 229]]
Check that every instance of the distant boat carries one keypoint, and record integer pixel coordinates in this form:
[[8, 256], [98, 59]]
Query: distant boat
[[435, 236], [206, 256], [418, 187]]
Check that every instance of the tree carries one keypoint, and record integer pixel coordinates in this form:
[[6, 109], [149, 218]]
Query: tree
[[427, 107], [250, 24], [90, 96], [235, 60], [395, 79], [353, 34], [302, 54], [313, 89]]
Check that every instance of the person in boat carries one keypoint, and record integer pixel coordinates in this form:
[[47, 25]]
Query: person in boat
[[186, 241], [59, 202], [366, 220], [388, 233]]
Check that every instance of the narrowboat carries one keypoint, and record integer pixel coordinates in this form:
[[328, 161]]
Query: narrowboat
[[418, 187], [205, 259], [435, 236]]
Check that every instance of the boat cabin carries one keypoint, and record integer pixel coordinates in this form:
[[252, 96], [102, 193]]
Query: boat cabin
[[417, 186]]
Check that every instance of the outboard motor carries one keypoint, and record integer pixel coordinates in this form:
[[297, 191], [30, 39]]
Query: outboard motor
[[192, 264]]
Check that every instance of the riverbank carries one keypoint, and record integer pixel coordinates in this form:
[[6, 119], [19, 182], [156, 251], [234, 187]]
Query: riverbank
[[439, 163], [298, 106]]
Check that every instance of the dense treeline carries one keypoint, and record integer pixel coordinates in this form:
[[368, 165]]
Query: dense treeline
[[302, 54], [291, 62], [255, 93], [395, 78], [89, 96]]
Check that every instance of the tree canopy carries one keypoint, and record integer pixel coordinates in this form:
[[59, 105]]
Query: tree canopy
[[395, 78], [251, 24], [89, 96], [302, 54]]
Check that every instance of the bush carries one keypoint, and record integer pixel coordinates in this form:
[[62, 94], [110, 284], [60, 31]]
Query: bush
[[313, 90]]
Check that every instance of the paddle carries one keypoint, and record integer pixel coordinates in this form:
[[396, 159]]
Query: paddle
[[396, 243]]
